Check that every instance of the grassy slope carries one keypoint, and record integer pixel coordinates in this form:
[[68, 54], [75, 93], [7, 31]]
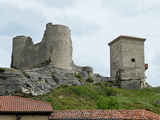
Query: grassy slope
[[86, 97]]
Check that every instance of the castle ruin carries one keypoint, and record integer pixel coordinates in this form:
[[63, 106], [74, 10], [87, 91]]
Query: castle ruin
[[126, 55], [55, 48], [127, 61]]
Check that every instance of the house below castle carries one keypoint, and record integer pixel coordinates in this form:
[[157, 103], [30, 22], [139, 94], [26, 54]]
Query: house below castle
[[19, 108]]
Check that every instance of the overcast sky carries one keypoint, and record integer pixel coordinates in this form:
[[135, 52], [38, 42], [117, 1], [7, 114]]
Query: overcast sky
[[93, 24]]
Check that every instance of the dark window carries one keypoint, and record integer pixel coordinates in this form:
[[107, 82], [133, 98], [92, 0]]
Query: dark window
[[133, 60]]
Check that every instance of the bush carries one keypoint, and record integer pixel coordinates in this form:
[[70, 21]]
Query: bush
[[84, 92], [64, 86], [78, 76], [110, 103], [42, 64], [113, 83], [53, 103], [2, 69], [3, 77], [90, 80], [26, 75], [110, 92], [157, 103], [55, 79], [46, 81], [98, 84]]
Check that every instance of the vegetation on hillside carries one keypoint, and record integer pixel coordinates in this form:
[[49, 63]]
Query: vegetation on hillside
[[99, 96]]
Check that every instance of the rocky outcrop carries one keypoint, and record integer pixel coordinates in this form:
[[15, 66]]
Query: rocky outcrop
[[38, 81], [40, 67]]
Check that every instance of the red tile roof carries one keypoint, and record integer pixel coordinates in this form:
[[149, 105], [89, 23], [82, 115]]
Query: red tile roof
[[20, 104], [105, 114], [127, 37]]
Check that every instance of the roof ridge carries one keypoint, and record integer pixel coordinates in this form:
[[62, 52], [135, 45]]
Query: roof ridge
[[28, 99], [0, 104], [127, 37], [106, 114], [20, 104]]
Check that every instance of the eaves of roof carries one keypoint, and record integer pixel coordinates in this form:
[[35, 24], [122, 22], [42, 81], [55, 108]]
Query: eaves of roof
[[15, 104], [126, 37], [105, 114]]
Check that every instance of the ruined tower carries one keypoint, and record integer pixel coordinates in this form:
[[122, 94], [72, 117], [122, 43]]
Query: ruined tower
[[127, 61], [55, 47]]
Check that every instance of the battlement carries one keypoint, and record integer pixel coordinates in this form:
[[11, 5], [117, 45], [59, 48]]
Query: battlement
[[55, 46]]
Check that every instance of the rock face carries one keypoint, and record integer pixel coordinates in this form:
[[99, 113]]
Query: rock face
[[55, 48], [39, 81], [40, 67]]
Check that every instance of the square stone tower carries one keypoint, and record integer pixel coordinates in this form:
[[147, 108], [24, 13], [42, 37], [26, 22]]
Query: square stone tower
[[127, 61]]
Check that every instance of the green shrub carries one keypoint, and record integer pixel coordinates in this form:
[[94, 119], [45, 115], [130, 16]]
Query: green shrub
[[2, 69], [84, 92], [78, 76], [90, 80], [53, 103], [26, 75], [110, 103], [46, 81], [93, 96], [39, 78], [98, 84], [113, 83], [42, 64], [3, 77], [64, 86], [110, 91], [55, 79], [157, 103]]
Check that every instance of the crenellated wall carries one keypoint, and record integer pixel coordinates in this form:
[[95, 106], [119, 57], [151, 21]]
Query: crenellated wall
[[56, 46]]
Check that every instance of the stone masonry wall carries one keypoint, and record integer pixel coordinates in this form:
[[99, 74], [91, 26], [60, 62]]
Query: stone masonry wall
[[133, 49], [115, 58], [56, 47], [127, 61]]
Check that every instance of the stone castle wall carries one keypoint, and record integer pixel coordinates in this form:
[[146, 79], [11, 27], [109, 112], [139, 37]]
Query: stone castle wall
[[133, 59], [56, 47], [127, 61]]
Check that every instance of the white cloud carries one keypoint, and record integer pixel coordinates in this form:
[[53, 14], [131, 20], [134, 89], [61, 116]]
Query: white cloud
[[90, 12], [93, 25], [5, 58]]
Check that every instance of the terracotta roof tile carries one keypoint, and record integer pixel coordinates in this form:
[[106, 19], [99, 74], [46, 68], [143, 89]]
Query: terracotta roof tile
[[20, 104], [105, 114]]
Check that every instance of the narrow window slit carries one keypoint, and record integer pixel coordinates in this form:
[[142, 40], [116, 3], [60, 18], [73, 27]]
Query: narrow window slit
[[133, 60]]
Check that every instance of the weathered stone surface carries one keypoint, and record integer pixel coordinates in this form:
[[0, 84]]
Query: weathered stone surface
[[49, 64], [127, 61], [55, 48], [131, 84], [10, 82], [39, 81]]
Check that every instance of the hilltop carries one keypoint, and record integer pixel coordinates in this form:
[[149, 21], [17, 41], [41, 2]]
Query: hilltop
[[101, 96]]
